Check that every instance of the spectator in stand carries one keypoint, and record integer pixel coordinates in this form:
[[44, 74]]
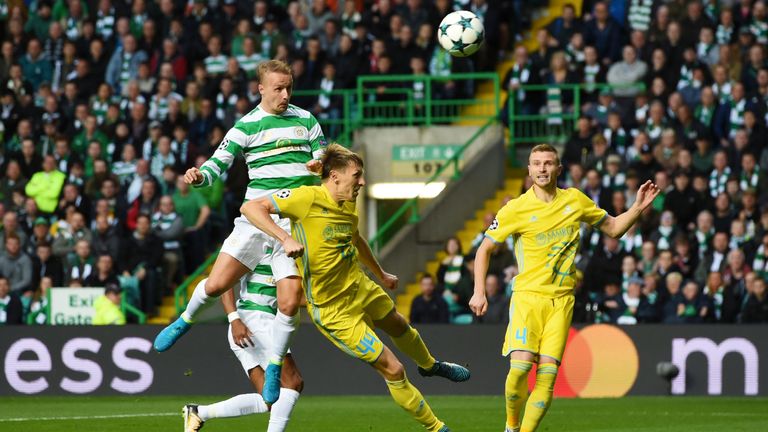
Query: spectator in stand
[[46, 265], [723, 305], [141, 256], [69, 234], [604, 33], [498, 302], [646, 166], [683, 202], [79, 265], [107, 309], [124, 64], [756, 307], [692, 309], [169, 227], [106, 240], [11, 309], [522, 73], [41, 233], [16, 267], [626, 74], [103, 274], [604, 266], [194, 212], [565, 25], [45, 186], [11, 228], [429, 307], [458, 297], [610, 303], [452, 266]]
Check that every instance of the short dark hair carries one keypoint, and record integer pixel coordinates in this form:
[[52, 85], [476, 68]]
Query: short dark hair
[[337, 158]]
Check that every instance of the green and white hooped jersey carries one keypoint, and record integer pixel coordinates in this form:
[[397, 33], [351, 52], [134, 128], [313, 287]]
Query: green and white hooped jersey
[[276, 150], [258, 291]]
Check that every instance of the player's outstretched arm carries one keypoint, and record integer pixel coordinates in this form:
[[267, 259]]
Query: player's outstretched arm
[[478, 303], [617, 226], [258, 213], [369, 261]]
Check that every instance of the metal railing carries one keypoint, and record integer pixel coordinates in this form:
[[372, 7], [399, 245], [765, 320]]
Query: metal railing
[[412, 100], [402, 100], [552, 116]]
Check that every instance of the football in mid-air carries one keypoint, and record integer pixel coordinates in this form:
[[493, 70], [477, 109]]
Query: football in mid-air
[[461, 33]]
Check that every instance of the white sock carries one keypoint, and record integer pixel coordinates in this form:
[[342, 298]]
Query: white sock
[[282, 331], [281, 410], [240, 405], [199, 301]]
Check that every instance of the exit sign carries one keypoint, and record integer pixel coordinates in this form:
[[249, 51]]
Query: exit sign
[[422, 161]]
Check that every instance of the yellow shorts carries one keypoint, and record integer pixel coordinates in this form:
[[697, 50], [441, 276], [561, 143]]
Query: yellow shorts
[[538, 324], [348, 321]]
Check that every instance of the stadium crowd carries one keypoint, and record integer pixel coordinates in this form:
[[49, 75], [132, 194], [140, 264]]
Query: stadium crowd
[[687, 108], [105, 103]]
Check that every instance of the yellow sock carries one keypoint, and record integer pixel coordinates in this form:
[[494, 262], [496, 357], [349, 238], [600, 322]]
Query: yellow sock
[[409, 397], [516, 391], [411, 344], [541, 397]]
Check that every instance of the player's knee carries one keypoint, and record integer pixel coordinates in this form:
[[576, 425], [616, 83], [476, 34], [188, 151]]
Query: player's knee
[[394, 371], [289, 296], [289, 306], [215, 286]]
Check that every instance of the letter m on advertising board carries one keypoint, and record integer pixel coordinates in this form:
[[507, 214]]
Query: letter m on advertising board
[[715, 353]]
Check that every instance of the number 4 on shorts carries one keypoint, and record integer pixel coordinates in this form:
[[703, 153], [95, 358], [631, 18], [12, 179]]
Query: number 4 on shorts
[[522, 335]]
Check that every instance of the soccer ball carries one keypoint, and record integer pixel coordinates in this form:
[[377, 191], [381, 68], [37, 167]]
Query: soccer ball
[[461, 33]]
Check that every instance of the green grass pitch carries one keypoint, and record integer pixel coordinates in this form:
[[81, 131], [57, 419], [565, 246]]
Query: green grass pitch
[[380, 414]]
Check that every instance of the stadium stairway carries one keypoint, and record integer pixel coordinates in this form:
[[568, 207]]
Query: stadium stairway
[[512, 187]]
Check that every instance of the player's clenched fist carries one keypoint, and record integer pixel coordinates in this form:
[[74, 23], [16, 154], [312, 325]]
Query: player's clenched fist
[[293, 248], [193, 176], [389, 281], [478, 304], [315, 166]]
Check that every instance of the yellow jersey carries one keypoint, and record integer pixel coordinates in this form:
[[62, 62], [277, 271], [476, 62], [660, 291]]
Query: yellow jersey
[[546, 238], [329, 265]]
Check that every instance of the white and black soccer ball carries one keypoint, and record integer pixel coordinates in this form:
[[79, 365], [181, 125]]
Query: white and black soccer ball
[[461, 33]]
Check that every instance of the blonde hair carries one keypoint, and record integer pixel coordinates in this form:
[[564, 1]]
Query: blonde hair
[[545, 148], [278, 66], [338, 157]]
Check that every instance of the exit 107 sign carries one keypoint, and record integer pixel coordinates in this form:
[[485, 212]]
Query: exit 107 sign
[[421, 161]]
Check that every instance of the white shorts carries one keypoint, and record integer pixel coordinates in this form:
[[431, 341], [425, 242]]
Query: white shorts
[[249, 245], [260, 324]]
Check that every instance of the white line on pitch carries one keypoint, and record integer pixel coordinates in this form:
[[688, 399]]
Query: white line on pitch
[[97, 417]]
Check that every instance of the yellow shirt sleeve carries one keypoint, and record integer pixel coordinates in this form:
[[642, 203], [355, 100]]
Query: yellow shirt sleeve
[[590, 212], [504, 225], [293, 204]]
